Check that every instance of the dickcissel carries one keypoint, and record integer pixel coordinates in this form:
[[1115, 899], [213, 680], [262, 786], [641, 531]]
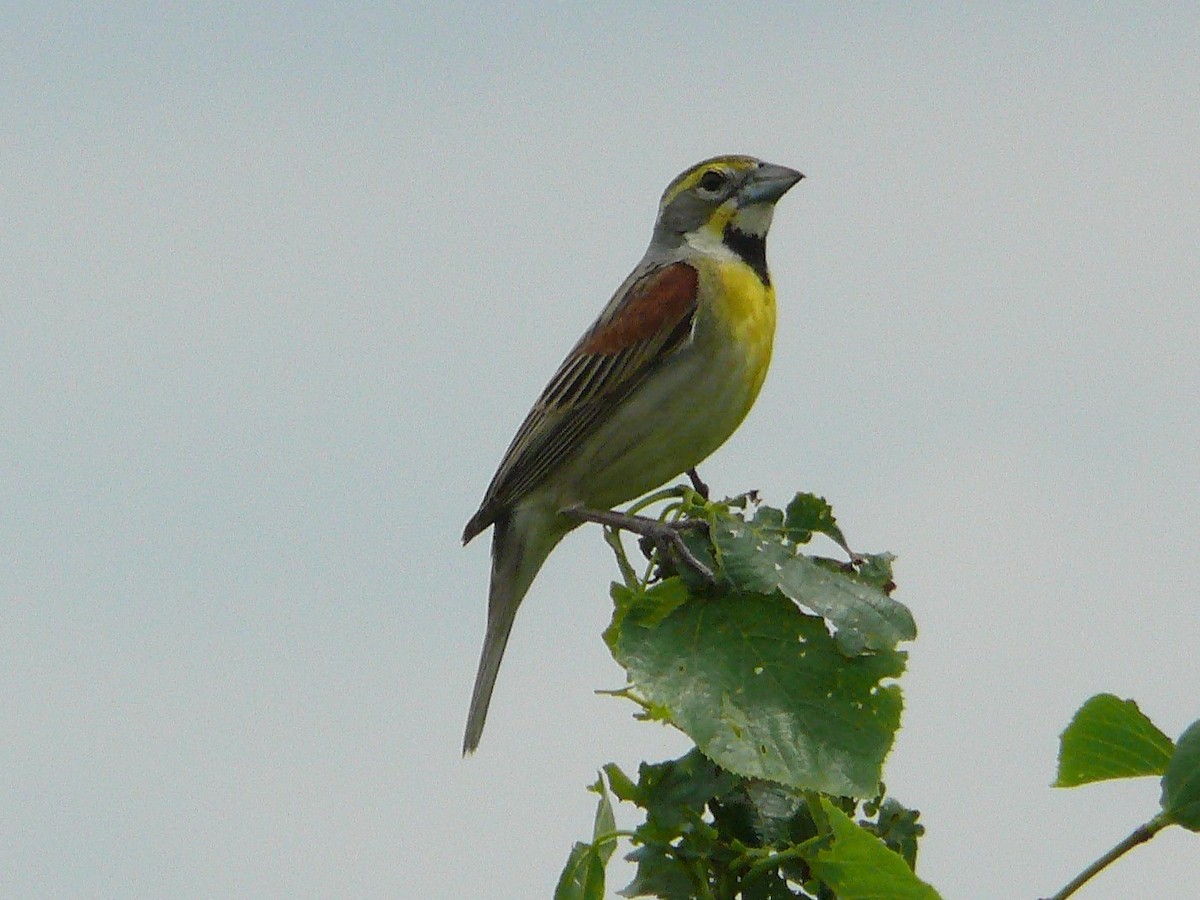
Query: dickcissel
[[656, 384]]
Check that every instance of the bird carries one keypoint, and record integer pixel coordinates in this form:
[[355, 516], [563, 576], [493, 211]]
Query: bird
[[660, 380]]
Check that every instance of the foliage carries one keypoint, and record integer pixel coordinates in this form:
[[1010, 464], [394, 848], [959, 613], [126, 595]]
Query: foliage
[[782, 671], [1112, 738]]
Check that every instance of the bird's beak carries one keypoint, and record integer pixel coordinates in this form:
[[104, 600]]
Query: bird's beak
[[768, 183]]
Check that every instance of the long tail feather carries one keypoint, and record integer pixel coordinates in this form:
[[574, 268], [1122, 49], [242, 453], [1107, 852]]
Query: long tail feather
[[521, 541]]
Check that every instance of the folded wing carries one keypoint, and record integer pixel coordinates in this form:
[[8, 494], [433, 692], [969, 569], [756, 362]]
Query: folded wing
[[649, 319]]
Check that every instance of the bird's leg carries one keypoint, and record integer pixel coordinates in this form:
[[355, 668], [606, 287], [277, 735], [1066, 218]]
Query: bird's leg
[[668, 535], [697, 484]]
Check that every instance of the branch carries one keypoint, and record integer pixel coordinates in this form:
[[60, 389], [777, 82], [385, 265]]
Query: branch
[[1140, 835]]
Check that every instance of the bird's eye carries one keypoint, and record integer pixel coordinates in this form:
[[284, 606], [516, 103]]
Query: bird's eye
[[713, 180]]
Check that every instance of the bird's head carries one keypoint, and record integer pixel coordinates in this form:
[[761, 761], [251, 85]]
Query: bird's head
[[719, 195]]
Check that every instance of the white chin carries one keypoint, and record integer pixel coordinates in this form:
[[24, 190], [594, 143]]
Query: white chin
[[754, 219]]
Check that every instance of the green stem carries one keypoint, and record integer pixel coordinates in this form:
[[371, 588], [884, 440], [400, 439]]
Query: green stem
[[774, 860], [612, 537], [700, 879], [606, 836], [1140, 835], [682, 494], [671, 493], [626, 692], [817, 811]]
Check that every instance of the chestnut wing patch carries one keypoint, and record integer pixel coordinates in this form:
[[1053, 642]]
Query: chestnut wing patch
[[655, 306], [612, 360]]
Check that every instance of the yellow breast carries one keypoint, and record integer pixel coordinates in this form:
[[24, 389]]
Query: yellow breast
[[744, 308]]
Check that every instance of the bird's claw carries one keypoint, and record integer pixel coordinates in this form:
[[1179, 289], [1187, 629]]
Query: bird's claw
[[665, 536]]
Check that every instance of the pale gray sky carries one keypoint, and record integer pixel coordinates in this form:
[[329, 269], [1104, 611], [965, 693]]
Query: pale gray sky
[[277, 286]]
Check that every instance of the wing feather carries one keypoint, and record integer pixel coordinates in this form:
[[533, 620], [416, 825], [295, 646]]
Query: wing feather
[[647, 321]]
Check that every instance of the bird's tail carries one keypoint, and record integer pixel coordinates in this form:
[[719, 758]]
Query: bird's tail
[[521, 541]]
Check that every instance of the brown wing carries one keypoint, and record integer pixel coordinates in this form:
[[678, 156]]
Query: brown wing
[[649, 319]]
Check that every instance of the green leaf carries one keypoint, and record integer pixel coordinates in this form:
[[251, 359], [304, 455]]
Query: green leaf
[[758, 813], [897, 827], [775, 809], [660, 873], [876, 569], [863, 614], [674, 793], [756, 559], [1110, 738], [647, 608], [621, 784], [582, 877], [857, 865], [768, 517], [765, 691], [604, 824], [750, 559], [1181, 783], [766, 886], [809, 514]]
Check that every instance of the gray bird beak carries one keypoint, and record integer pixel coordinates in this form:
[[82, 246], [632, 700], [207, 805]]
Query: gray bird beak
[[768, 183]]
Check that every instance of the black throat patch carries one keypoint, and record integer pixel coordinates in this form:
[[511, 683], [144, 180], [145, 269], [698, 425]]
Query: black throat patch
[[752, 249]]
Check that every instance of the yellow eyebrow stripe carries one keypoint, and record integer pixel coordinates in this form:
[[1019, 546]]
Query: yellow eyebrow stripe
[[689, 179]]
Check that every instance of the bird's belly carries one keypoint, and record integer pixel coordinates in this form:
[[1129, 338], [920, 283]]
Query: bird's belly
[[673, 422]]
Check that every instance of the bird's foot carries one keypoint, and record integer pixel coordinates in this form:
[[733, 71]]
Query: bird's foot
[[667, 536], [697, 483]]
